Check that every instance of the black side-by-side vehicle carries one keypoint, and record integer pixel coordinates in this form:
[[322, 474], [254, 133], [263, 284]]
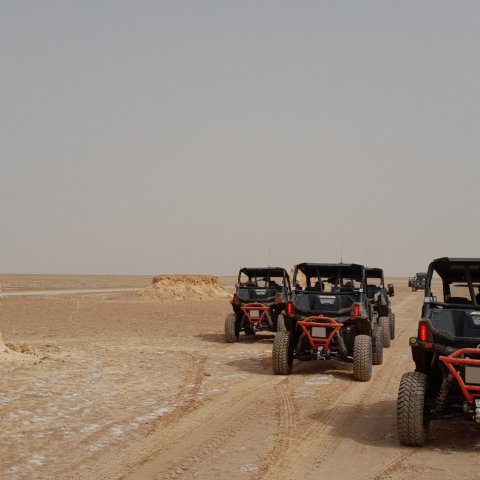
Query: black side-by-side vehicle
[[446, 352], [417, 282], [329, 317], [379, 297], [259, 302]]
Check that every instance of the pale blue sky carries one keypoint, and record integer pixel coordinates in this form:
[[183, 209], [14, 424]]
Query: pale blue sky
[[191, 136]]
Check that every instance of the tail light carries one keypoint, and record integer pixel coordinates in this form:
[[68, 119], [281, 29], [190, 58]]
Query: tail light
[[278, 298], [235, 298], [423, 332], [356, 310], [290, 308]]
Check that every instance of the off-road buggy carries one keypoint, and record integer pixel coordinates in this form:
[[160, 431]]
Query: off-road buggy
[[379, 297], [417, 282], [446, 352], [329, 317], [259, 302]]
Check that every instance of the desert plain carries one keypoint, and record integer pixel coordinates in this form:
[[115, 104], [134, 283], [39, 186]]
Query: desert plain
[[101, 381]]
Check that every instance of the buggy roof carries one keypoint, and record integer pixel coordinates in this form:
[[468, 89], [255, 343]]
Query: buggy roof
[[373, 272], [454, 269], [332, 269], [264, 271]]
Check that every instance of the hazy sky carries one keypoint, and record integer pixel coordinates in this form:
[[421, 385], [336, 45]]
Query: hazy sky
[[193, 136]]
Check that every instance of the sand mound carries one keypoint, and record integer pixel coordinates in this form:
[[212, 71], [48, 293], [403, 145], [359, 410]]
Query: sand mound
[[21, 348], [15, 354], [182, 287], [7, 355]]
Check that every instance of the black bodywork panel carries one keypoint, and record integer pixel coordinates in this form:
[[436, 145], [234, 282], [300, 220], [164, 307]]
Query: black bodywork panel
[[260, 288], [329, 290], [452, 323]]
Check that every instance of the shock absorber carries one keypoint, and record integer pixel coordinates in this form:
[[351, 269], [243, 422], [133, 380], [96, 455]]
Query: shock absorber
[[341, 344], [443, 393]]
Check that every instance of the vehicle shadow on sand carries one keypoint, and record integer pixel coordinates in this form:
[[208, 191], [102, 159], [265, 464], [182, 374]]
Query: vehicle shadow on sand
[[264, 337], [300, 369], [335, 368], [375, 425]]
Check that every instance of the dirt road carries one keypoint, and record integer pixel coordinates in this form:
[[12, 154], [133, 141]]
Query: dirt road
[[132, 389]]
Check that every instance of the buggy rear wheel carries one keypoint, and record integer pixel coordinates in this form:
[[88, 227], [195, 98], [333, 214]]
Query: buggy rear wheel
[[384, 323], [412, 416], [281, 323], [362, 358], [377, 340], [392, 326], [282, 354], [232, 332]]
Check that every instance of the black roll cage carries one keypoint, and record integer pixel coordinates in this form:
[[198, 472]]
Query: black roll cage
[[331, 270], [265, 272], [375, 273], [443, 268]]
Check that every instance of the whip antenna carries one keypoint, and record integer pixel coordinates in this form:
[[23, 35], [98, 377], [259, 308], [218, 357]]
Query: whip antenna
[[341, 249]]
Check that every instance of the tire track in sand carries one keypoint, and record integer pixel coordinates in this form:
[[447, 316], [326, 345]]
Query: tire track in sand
[[213, 426], [307, 437], [185, 400], [317, 437], [285, 416], [175, 435], [366, 428]]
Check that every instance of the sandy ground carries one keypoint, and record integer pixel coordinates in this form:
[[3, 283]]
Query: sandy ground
[[120, 386]]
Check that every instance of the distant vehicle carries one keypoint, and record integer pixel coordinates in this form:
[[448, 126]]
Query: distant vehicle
[[446, 352], [329, 317], [417, 282], [379, 297], [259, 302]]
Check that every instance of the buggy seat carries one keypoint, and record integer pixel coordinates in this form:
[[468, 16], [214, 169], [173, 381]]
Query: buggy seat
[[371, 290]]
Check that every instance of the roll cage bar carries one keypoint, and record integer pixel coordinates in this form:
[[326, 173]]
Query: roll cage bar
[[333, 271], [465, 271], [372, 272], [265, 273]]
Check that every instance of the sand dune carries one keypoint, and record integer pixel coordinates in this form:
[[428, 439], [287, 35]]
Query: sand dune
[[184, 287]]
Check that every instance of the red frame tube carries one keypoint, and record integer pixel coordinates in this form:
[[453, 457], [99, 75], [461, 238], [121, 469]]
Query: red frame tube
[[319, 321], [255, 306], [469, 391]]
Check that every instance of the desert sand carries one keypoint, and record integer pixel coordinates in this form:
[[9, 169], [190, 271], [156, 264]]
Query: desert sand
[[140, 385]]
